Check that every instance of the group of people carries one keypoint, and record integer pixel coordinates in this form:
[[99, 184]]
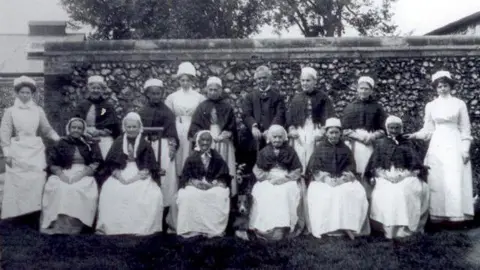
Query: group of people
[[173, 164]]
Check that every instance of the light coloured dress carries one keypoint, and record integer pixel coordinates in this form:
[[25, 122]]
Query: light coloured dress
[[183, 104], [447, 125], [24, 181]]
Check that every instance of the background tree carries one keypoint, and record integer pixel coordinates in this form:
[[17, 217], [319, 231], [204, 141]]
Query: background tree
[[153, 19], [330, 17]]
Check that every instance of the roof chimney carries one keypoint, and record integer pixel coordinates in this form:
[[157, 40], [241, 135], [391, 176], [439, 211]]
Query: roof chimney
[[47, 28]]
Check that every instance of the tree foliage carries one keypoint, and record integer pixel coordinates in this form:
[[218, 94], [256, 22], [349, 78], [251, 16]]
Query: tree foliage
[[331, 17], [154, 19]]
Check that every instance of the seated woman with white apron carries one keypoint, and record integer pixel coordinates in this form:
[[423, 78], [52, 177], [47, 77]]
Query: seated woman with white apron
[[71, 193], [400, 200], [131, 200], [276, 195], [204, 197], [337, 202]]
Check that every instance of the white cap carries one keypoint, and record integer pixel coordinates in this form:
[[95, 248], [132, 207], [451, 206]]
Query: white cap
[[366, 79], [333, 122], [308, 71], [186, 68], [153, 82], [96, 79], [392, 119], [441, 74], [24, 80], [214, 80]]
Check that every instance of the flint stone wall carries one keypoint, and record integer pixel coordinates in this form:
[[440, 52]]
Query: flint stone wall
[[402, 69]]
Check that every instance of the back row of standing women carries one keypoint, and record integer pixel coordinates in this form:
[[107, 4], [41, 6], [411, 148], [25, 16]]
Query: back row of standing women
[[316, 174]]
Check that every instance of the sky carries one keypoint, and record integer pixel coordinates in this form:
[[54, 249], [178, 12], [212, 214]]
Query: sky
[[419, 16]]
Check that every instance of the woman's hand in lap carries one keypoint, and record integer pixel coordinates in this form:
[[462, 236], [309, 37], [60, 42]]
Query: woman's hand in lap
[[143, 174], [64, 178]]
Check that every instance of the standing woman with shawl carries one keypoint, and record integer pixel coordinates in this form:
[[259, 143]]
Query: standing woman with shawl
[[102, 122], [183, 103], [337, 202], [131, 199], [217, 115], [24, 151], [363, 122], [157, 114], [447, 126], [71, 192], [276, 195], [203, 199], [400, 199]]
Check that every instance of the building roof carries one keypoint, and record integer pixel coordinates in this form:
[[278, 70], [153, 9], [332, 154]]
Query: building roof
[[456, 25]]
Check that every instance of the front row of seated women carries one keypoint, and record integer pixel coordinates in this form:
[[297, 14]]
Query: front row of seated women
[[131, 202]]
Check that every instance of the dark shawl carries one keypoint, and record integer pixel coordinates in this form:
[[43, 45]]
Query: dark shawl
[[61, 154], [252, 109], [286, 159], [322, 108], [364, 114], [387, 153], [194, 169], [159, 115], [330, 158], [108, 120], [117, 160], [201, 119]]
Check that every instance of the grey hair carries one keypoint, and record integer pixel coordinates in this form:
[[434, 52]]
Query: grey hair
[[262, 69]]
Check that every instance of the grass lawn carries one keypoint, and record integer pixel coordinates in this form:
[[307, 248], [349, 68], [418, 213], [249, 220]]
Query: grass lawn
[[25, 248]]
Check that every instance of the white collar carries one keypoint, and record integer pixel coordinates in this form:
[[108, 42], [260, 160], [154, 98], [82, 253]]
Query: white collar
[[19, 104], [135, 147]]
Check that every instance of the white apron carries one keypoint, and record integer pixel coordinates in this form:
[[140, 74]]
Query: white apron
[[361, 152], [227, 151], [304, 145], [274, 206], [105, 144], [25, 180], [136, 208], [170, 180], [203, 211], [182, 124], [78, 200]]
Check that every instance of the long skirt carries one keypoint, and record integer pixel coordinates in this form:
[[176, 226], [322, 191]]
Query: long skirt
[[182, 124], [304, 145], [331, 209], [136, 208], [170, 180], [274, 206], [77, 200], [400, 208], [361, 152], [24, 181], [105, 144], [227, 151], [450, 180], [203, 211]]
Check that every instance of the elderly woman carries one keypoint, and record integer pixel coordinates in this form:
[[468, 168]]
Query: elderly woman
[[217, 115], [400, 199], [131, 199], [157, 114], [337, 202], [24, 151], [183, 103], [276, 195], [71, 193], [203, 200], [102, 122], [447, 126], [363, 123]]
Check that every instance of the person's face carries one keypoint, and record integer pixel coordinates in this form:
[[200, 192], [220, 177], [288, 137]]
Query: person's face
[[364, 91], [394, 129], [155, 94], [95, 90], [185, 82], [76, 129], [262, 79], [443, 89], [308, 83], [277, 138], [333, 135], [214, 91], [204, 142], [25, 94], [132, 128]]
